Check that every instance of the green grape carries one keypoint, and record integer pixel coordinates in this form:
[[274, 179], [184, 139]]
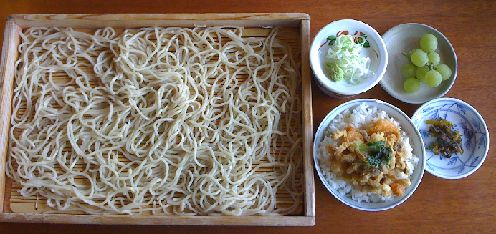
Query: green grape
[[444, 70], [428, 42], [411, 85], [433, 78], [419, 58], [433, 58], [407, 70], [420, 73]]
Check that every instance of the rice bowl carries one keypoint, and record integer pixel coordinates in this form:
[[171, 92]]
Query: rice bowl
[[358, 114]]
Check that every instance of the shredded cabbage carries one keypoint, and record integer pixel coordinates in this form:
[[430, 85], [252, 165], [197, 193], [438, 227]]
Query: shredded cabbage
[[343, 60]]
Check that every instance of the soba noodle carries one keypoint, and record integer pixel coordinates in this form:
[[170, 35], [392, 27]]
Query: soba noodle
[[172, 121]]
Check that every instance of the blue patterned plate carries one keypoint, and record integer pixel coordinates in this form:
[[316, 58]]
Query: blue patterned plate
[[466, 120]]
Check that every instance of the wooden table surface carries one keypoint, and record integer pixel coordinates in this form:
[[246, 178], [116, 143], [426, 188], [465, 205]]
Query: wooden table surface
[[466, 205]]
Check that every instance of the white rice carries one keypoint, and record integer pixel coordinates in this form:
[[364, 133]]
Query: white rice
[[358, 117]]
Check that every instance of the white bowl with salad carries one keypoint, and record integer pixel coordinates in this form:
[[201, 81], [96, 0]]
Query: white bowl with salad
[[348, 57]]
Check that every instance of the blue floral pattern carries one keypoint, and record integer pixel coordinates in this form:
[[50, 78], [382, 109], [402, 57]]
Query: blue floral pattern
[[467, 121]]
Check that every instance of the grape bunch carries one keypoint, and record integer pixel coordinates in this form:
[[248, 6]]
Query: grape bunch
[[424, 66]]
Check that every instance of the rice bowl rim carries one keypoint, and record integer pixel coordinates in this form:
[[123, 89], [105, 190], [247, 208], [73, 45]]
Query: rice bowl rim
[[416, 139]]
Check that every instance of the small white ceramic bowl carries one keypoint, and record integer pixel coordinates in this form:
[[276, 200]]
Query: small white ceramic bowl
[[377, 54], [466, 120], [403, 38], [406, 125]]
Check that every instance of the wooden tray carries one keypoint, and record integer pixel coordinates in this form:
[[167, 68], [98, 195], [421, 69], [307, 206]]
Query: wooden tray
[[294, 31]]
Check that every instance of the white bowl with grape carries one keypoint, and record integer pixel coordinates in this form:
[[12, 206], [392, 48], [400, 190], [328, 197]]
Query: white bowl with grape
[[423, 64], [347, 57]]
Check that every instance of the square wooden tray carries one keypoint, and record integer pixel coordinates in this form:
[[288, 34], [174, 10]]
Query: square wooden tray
[[15, 208]]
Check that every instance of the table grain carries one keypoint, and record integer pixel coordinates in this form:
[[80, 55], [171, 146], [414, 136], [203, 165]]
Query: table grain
[[438, 206]]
